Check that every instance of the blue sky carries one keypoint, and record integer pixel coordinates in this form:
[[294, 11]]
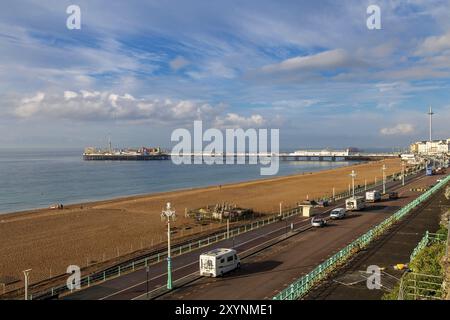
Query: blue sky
[[139, 69]]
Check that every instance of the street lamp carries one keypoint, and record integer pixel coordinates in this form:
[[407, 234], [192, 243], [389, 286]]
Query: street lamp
[[168, 214], [353, 175], [384, 178], [26, 274], [147, 270], [403, 173]]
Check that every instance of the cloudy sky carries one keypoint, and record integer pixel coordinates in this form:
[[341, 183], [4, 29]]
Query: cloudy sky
[[138, 69]]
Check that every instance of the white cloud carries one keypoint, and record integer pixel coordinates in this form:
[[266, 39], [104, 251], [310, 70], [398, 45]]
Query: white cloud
[[70, 95], [296, 103], [213, 69], [233, 120], [399, 129], [178, 63], [434, 44], [107, 106], [320, 61], [96, 105]]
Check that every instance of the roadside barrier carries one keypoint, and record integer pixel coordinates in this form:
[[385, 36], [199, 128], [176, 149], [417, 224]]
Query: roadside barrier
[[302, 286]]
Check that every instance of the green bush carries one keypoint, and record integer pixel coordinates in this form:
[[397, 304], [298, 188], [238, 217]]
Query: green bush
[[428, 261]]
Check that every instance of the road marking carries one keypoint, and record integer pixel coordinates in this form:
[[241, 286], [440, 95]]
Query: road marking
[[195, 262], [197, 271]]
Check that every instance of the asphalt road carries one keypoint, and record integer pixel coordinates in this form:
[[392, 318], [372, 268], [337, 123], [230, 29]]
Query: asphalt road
[[263, 273]]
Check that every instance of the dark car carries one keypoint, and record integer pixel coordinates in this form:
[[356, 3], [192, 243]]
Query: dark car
[[309, 202], [323, 203], [393, 195]]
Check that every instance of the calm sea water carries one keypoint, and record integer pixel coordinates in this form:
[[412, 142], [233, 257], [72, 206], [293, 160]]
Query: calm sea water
[[36, 179]]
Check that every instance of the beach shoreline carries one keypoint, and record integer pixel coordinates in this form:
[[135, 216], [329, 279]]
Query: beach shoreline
[[36, 211]]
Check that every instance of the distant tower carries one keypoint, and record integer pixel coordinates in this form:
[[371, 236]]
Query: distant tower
[[110, 145], [430, 113]]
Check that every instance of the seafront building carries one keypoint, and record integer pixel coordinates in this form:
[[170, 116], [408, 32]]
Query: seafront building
[[433, 147]]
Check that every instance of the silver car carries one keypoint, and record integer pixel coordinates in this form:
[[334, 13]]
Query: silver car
[[338, 213], [318, 222]]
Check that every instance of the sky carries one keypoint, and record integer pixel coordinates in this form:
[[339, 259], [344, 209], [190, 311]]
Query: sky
[[137, 70]]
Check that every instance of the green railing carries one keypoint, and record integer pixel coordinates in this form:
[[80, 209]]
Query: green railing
[[425, 241], [415, 286], [301, 286]]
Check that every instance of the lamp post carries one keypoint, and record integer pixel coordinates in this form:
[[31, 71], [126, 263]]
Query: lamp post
[[168, 214], [403, 173], [26, 274], [353, 175], [384, 178], [147, 270], [281, 209]]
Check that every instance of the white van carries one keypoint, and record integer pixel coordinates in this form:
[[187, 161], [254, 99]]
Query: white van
[[218, 262], [356, 203], [337, 213], [373, 196]]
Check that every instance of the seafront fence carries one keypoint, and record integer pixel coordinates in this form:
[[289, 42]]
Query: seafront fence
[[427, 239], [415, 286], [301, 287], [144, 261]]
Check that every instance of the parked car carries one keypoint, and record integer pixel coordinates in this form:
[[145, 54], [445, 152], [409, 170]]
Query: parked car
[[309, 202], [323, 203], [338, 213], [318, 222], [393, 195]]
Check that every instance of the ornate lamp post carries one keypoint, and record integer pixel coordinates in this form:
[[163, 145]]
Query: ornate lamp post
[[167, 215], [353, 175], [26, 274]]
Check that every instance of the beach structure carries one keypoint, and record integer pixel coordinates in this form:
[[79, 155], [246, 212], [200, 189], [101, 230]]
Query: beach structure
[[220, 211]]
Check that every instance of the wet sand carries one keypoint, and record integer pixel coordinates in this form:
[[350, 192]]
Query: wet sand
[[49, 240]]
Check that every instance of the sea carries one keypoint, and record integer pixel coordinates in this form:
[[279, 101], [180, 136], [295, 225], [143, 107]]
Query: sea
[[39, 178]]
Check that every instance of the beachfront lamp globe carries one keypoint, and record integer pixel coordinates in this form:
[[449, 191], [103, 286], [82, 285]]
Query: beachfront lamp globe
[[168, 214]]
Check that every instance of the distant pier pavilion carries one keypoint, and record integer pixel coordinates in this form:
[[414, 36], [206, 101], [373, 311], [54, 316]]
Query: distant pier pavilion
[[294, 156]]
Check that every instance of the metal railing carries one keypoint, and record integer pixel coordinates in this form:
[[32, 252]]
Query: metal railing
[[144, 261], [415, 286], [301, 286], [427, 239]]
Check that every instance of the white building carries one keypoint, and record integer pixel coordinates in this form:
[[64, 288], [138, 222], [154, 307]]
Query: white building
[[431, 147]]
